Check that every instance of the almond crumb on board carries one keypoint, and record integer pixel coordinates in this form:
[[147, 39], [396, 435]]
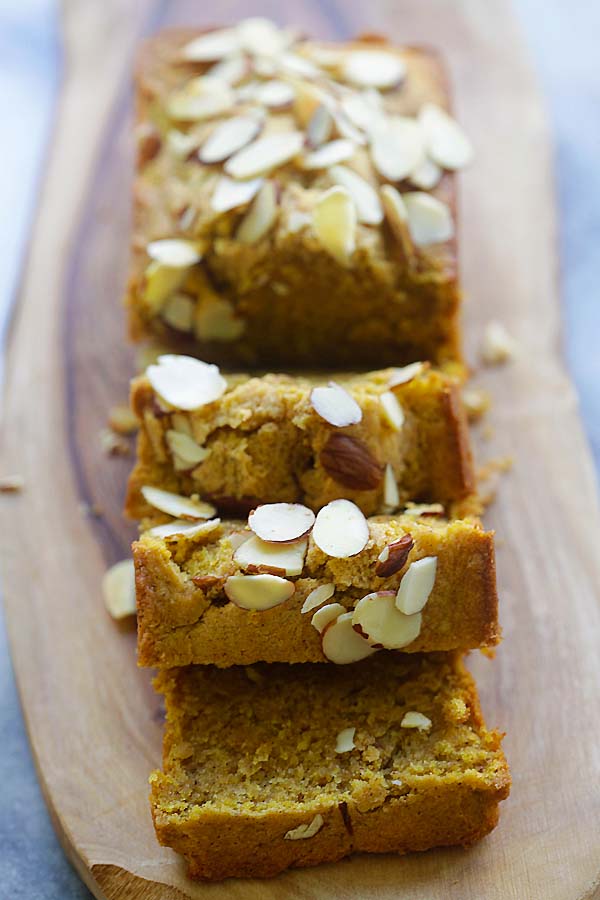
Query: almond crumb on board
[[11, 484], [489, 475], [113, 444], [122, 420], [497, 345], [476, 402]]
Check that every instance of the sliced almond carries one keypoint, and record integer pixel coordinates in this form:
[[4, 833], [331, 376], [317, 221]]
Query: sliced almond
[[368, 205], [392, 411], [391, 495], [397, 149], [212, 46], [186, 383], [185, 448], [203, 99], [181, 528], [174, 253], [340, 529], [303, 832], [287, 559], [329, 154], [229, 137], [446, 142], [413, 719], [406, 373], [261, 216], [281, 522], [309, 97], [426, 175], [341, 644], [258, 592], [393, 557], [382, 624], [265, 154], [122, 419], [350, 462], [231, 69], [216, 320], [319, 127], [416, 510], [298, 65], [261, 36], [178, 312], [334, 223], [181, 144], [176, 505], [317, 596], [429, 220], [365, 110], [497, 345], [345, 128], [229, 194], [373, 68], [397, 218], [335, 405], [327, 614], [275, 94], [344, 742], [416, 585], [118, 589]]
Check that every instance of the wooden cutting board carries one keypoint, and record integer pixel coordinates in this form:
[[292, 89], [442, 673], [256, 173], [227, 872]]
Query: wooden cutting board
[[93, 720]]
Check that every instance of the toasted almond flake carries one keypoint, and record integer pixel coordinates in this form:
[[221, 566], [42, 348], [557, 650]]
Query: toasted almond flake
[[397, 149], [258, 592], [186, 383], [298, 65], [230, 194], [497, 346], [229, 137], [237, 538], [393, 557], [327, 614], [174, 253], [446, 142], [365, 110], [265, 154], [426, 175], [340, 529], [329, 154], [275, 94], [377, 618], [309, 97], [345, 128], [160, 283], [113, 444], [178, 312], [262, 37], [303, 832], [176, 505], [334, 404], [397, 218], [11, 484], [416, 585], [373, 68], [417, 720], [392, 411], [476, 401], [287, 559], [319, 127], [297, 220], [118, 589], [341, 644], [317, 596], [344, 742], [185, 448], [216, 320], [261, 216], [406, 374], [281, 522], [181, 144], [122, 419], [334, 223], [200, 101], [429, 220], [391, 495], [182, 528], [212, 46], [416, 510], [368, 205], [231, 70]]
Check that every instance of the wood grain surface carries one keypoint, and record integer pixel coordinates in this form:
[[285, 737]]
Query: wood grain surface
[[93, 720]]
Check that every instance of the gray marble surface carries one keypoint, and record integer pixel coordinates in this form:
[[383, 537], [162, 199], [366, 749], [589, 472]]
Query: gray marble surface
[[563, 41]]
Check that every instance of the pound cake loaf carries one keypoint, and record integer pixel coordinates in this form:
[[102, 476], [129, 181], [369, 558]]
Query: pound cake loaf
[[266, 769], [295, 200], [380, 439], [287, 587]]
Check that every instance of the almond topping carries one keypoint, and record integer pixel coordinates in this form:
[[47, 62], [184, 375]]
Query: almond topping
[[447, 144], [335, 405], [391, 495], [188, 452], [215, 320], [350, 463], [497, 345], [373, 68], [275, 94], [281, 522], [344, 742], [341, 644], [417, 720], [334, 223], [258, 592], [211, 46], [327, 614], [426, 175], [230, 194], [397, 149], [368, 205], [397, 218], [393, 557], [392, 411], [118, 589], [406, 373], [429, 220], [186, 383], [229, 137], [320, 126], [175, 505], [203, 98], [261, 216], [123, 420], [329, 154], [265, 154], [377, 618], [365, 110], [317, 596], [340, 529], [174, 253], [416, 510], [231, 70], [416, 585], [287, 559], [178, 312], [302, 832], [181, 528]]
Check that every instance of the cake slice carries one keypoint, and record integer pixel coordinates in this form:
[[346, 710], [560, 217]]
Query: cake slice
[[380, 439], [295, 200], [269, 767], [218, 592]]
